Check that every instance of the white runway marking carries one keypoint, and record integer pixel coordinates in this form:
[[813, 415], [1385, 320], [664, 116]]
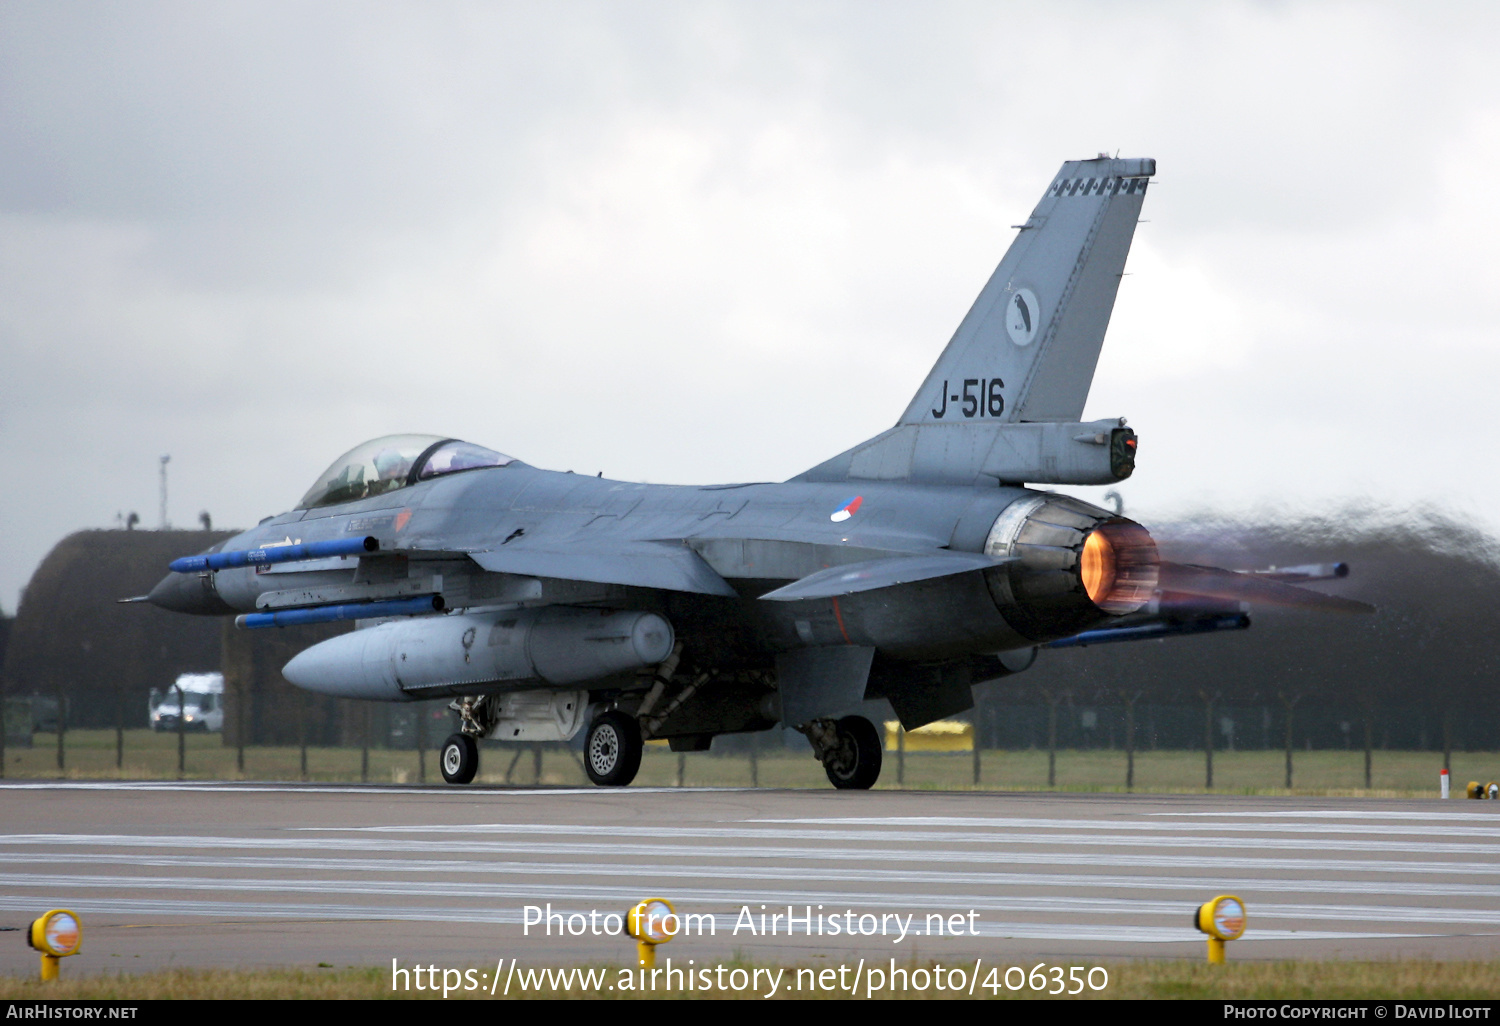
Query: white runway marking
[[656, 870], [621, 898], [1211, 860], [1490, 817], [935, 836], [388, 790], [1383, 829], [1081, 875]]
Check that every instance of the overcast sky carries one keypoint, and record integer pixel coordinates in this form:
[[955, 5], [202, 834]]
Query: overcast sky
[[697, 242]]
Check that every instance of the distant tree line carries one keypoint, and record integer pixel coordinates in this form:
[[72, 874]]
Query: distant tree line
[[1418, 674]]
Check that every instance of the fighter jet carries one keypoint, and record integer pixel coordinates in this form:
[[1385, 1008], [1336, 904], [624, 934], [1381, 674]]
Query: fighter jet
[[918, 563]]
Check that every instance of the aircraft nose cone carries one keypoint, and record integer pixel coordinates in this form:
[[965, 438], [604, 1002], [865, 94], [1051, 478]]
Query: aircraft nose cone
[[189, 593]]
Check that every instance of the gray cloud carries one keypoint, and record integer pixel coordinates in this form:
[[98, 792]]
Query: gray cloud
[[689, 242]]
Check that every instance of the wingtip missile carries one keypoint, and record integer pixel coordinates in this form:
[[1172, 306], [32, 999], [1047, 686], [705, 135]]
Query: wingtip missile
[[275, 554]]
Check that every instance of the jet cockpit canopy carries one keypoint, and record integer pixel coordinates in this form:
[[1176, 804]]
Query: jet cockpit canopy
[[395, 461]]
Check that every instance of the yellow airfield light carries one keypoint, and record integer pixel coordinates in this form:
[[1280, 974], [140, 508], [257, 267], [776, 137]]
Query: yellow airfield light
[[1223, 919], [651, 922], [56, 934]]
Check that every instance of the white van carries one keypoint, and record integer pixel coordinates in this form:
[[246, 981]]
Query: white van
[[202, 701]]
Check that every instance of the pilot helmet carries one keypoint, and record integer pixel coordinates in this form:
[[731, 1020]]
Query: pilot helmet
[[389, 463]]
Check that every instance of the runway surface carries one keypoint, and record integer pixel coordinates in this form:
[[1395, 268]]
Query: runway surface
[[287, 875]]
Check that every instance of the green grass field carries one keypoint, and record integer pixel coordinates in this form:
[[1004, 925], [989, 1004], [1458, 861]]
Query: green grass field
[[1409, 980], [90, 754]]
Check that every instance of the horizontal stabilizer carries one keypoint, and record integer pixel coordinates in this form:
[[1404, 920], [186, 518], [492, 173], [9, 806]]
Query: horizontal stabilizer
[[879, 573], [1154, 630], [659, 565], [1213, 585]]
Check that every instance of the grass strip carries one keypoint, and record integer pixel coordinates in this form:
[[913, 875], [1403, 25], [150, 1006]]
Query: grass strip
[[1410, 980], [91, 755]]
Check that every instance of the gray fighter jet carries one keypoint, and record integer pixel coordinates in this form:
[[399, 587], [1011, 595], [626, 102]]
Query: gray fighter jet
[[909, 568]]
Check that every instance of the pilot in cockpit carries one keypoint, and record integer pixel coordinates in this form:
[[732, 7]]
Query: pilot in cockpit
[[391, 469]]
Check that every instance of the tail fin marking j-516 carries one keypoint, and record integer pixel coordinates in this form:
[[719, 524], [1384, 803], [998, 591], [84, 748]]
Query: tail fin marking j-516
[[1026, 351]]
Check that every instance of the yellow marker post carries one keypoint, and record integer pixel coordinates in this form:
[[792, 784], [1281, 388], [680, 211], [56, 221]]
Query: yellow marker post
[[1223, 919], [56, 935], [651, 922]]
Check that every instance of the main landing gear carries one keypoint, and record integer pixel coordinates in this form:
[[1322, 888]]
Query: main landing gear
[[459, 759], [612, 750], [849, 749]]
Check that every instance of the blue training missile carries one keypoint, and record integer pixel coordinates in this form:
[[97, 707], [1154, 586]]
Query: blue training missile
[[275, 554], [343, 611]]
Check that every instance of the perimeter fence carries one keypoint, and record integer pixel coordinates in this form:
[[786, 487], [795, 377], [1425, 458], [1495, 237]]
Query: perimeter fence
[[1059, 745]]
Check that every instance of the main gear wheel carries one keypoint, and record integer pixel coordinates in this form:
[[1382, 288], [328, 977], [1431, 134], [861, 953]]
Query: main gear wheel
[[612, 750]]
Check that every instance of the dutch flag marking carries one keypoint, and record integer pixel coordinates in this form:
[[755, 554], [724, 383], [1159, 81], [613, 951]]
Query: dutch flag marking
[[848, 509]]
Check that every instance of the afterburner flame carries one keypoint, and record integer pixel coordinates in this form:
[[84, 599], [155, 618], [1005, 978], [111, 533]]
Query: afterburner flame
[[1098, 567], [1118, 566]]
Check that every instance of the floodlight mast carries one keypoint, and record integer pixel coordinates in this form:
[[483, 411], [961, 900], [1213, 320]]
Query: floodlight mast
[[165, 459]]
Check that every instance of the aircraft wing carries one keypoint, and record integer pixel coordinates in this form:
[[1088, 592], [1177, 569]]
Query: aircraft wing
[[880, 573], [635, 564]]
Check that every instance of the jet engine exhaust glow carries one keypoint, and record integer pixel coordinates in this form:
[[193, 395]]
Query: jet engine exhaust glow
[[1098, 566], [1118, 566], [1070, 565]]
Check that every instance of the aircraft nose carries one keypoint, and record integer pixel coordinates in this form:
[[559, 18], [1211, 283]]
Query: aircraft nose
[[189, 593]]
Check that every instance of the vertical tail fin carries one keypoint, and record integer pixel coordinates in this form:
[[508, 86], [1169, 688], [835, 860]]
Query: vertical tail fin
[[1026, 351], [1039, 323]]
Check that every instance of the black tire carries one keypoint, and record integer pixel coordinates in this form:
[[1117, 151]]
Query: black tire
[[459, 759], [855, 764], [612, 750]]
